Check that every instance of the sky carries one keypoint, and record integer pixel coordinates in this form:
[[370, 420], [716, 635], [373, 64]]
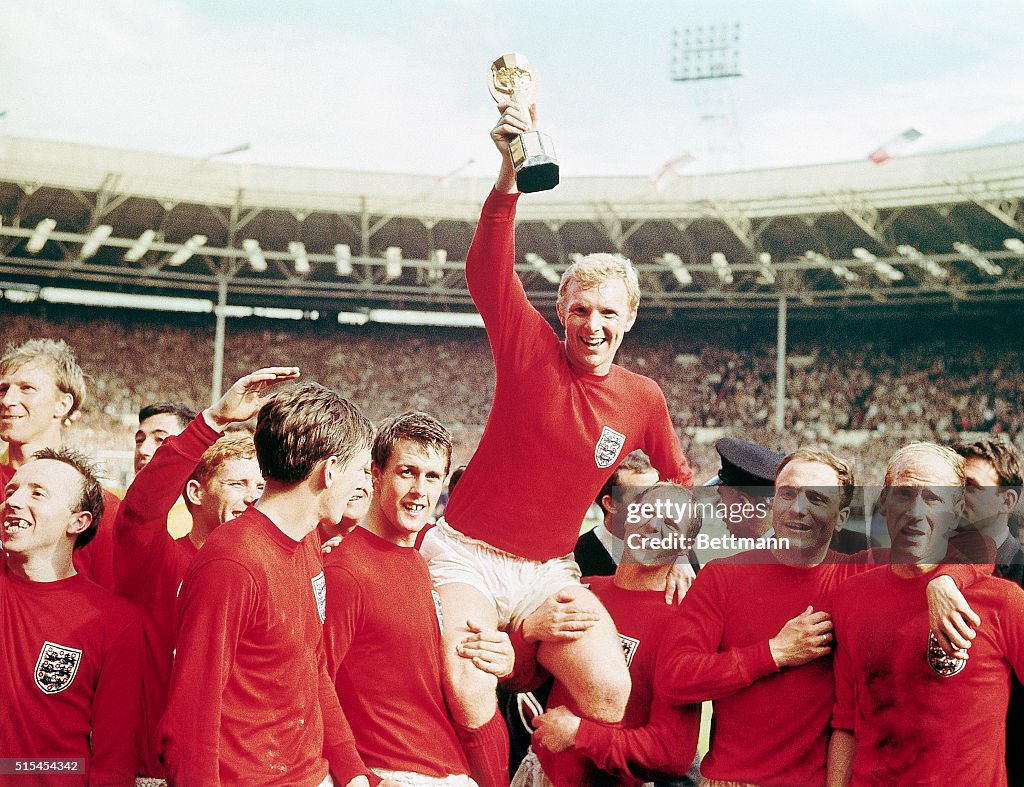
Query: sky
[[400, 86]]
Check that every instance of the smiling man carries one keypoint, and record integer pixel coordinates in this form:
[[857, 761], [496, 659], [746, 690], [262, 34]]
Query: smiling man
[[755, 632], [905, 712], [382, 609], [42, 389], [562, 418], [71, 670]]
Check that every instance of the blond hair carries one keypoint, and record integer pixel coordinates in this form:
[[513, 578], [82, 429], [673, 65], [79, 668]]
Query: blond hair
[[55, 353], [594, 270], [914, 455], [233, 446]]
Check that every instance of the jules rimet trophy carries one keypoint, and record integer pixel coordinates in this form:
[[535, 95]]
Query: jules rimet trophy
[[514, 79]]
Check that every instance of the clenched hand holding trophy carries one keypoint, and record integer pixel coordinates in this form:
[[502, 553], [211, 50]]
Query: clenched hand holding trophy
[[513, 80]]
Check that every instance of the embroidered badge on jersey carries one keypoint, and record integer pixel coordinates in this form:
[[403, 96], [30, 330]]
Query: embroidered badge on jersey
[[320, 594], [941, 664], [629, 646], [56, 667], [608, 447]]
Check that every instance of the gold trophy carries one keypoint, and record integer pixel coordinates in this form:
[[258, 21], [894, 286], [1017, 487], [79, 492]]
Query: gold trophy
[[513, 79]]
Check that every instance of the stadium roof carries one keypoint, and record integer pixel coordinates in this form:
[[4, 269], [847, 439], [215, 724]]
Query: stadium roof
[[932, 229]]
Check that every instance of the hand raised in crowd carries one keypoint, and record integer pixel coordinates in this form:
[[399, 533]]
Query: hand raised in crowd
[[489, 649], [558, 619], [243, 399], [950, 617], [556, 729], [804, 638]]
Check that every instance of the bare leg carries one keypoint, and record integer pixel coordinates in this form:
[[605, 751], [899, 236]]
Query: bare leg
[[471, 695], [470, 691], [593, 667]]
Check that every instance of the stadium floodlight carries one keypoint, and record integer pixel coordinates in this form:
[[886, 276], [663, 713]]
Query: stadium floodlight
[[839, 271], [439, 319], [764, 261], [343, 260], [38, 238], [885, 271], [252, 250], [721, 266], [543, 267], [140, 247], [94, 241], [274, 313], [435, 271], [185, 252], [124, 300], [931, 266], [981, 262], [392, 262], [1016, 245], [20, 292], [353, 318], [21, 296], [227, 310], [675, 263], [298, 250]]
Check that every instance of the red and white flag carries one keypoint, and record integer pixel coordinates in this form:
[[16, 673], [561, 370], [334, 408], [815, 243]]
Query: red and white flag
[[446, 178], [669, 170], [895, 146]]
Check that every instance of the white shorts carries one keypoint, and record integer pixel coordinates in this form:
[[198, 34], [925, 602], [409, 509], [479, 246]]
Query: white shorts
[[515, 585], [419, 780], [530, 774]]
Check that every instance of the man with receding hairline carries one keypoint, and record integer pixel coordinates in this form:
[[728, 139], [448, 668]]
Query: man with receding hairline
[[71, 670], [755, 633], [905, 711]]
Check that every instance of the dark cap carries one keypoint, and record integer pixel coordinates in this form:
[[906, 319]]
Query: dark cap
[[747, 464]]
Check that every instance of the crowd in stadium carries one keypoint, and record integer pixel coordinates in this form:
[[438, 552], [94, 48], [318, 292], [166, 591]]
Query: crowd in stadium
[[316, 625], [930, 389]]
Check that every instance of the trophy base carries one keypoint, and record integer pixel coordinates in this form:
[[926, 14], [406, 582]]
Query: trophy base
[[539, 176], [533, 155]]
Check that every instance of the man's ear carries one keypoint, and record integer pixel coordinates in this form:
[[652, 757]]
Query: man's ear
[[1010, 499], [844, 514], [194, 492], [64, 404], [608, 503], [629, 321], [79, 523]]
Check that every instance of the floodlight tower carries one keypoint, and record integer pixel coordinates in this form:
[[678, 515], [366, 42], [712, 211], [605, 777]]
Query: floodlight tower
[[708, 58]]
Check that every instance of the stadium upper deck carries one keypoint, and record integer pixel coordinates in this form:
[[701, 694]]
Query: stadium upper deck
[[939, 229]]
